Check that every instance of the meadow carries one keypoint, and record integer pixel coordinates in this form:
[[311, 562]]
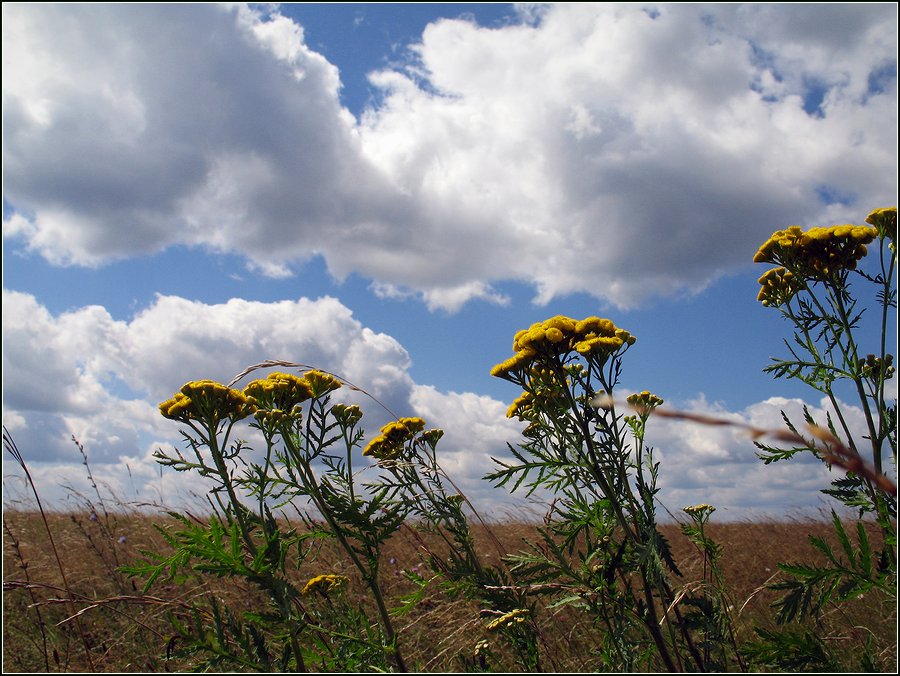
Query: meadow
[[127, 631], [299, 562]]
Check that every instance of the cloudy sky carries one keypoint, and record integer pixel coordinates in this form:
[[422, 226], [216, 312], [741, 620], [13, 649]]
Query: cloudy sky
[[389, 192]]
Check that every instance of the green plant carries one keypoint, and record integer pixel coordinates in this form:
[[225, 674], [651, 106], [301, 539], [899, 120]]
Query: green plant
[[243, 538], [812, 289], [601, 549]]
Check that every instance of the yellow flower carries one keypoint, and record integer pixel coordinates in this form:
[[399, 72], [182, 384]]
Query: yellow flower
[[819, 252], [324, 584], [413, 425], [778, 287], [388, 444], [512, 617], [517, 362], [644, 402], [699, 510], [520, 406], [347, 415], [885, 222], [278, 393], [557, 336], [321, 383], [381, 448], [206, 400]]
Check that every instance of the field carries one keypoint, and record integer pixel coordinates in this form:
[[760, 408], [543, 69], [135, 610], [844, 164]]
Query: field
[[125, 630]]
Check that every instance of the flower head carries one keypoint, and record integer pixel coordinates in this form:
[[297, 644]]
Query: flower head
[[278, 397], [347, 414], [207, 400], [388, 444], [778, 286], [324, 584], [644, 402], [885, 222], [560, 335], [817, 253], [512, 617], [321, 383], [699, 511]]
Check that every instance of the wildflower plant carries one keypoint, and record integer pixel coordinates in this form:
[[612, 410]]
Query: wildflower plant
[[839, 347], [301, 429], [601, 549]]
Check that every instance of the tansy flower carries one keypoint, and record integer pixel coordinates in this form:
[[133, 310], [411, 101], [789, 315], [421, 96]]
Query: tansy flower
[[206, 400], [388, 444], [347, 415], [885, 222], [644, 402], [520, 406], [278, 397], [778, 286], [512, 617], [324, 584], [699, 510], [321, 383], [560, 335], [817, 253]]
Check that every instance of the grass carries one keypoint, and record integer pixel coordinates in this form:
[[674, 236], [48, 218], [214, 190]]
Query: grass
[[128, 631]]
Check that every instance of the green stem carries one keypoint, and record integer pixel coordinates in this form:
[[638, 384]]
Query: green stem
[[369, 574]]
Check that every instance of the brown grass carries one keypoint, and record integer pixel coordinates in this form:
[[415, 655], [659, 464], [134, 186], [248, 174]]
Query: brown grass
[[128, 631]]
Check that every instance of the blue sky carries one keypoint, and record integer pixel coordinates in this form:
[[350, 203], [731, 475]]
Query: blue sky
[[189, 189]]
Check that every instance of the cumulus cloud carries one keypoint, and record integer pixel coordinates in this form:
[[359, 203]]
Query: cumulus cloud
[[82, 373], [619, 150]]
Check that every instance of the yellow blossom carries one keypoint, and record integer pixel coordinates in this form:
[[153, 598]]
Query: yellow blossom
[[278, 397], [388, 444], [520, 406], [885, 222], [206, 400], [321, 383], [644, 402], [512, 617], [561, 335], [818, 252], [699, 510], [324, 584], [778, 286]]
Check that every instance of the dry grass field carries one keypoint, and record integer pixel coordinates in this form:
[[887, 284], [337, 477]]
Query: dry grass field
[[117, 628]]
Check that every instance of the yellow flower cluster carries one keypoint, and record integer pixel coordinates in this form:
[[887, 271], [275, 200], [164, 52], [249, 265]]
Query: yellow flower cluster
[[321, 383], [347, 414], [521, 406], [388, 444], [558, 335], [278, 396], [644, 402], [324, 584], [818, 252], [875, 368], [206, 399], [546, 391], [777, 286], [512, 617], [274, 398], [701, 510], [885, 222]]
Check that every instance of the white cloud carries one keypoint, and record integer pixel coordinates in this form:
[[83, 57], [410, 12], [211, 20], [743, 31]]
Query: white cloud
[[603, 148], [83, 374]]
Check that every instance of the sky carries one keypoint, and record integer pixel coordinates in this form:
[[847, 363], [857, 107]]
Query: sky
[[390, 191]]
